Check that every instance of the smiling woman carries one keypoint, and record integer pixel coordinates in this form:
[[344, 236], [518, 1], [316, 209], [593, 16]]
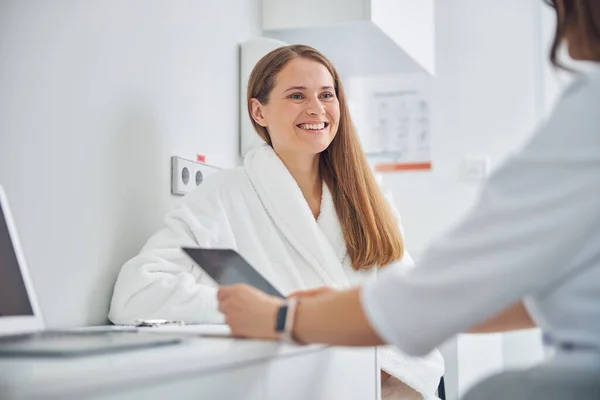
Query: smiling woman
[[304, 211], [297, 104]]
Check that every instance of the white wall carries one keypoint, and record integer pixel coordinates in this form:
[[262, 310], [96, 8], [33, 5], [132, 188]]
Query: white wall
[[95, 96], [484, 103]]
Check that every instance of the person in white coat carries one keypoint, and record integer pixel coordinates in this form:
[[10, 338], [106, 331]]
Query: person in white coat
[[304, 210], [529, 249]]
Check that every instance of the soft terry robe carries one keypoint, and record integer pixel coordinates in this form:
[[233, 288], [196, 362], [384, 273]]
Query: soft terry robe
[[258, 210]]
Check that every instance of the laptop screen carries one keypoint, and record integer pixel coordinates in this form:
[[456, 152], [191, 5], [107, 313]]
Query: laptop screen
[[13, 294]]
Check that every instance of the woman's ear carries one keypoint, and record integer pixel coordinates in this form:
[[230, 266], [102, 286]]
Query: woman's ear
[[257, 112]]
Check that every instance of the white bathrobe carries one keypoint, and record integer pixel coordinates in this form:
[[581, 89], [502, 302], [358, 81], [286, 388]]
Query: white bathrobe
[[258, 210]]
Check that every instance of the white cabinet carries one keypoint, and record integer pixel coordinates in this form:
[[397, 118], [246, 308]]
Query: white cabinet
[[373, 36], [289, 14]]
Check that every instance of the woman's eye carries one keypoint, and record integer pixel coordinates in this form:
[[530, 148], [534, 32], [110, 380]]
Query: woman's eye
[[327, 95], [296, 96]]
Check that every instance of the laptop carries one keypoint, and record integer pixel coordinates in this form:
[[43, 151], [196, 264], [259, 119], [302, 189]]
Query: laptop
[[22, 330]]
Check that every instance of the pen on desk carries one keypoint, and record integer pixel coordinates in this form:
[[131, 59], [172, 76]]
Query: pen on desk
[[154, 323]]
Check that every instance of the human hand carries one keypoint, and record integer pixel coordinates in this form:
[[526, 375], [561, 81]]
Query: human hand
[[249, 312]]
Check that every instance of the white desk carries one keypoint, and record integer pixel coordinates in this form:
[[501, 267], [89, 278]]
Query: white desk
[[200, 368]]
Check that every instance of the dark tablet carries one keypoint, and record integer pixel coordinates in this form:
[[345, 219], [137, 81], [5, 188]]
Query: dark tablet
[[227, 267]]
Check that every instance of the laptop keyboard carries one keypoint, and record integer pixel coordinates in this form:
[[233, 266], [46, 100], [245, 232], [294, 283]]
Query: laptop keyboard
[[73, 343], [57, 335]]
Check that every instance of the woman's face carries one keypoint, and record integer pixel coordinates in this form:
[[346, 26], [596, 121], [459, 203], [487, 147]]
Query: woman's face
[[303, 112]]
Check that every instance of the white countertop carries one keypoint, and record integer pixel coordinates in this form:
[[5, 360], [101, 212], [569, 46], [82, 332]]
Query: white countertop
[[196, 355]]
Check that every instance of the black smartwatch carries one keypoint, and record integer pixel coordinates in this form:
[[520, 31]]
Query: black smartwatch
[[281, 317], [284, 322]]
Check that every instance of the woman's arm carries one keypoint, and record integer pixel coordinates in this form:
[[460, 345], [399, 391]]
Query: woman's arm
[[534, 215], [513, 318], [335, 318], [161, 281], [319, 320]]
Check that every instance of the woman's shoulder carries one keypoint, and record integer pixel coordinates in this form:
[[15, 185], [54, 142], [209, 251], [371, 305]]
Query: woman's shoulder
[[575, 119]]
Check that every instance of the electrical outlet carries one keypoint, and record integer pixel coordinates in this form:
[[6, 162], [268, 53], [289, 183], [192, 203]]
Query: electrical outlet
[[475, 168], [187, 175]]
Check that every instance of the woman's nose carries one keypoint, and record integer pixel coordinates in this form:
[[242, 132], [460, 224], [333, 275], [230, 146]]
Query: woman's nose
[[315, 108]]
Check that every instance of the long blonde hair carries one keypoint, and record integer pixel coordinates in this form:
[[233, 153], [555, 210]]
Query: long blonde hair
[[370, 229]]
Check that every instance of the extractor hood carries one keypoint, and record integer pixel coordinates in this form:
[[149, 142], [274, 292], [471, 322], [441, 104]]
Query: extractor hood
[[361, 37]]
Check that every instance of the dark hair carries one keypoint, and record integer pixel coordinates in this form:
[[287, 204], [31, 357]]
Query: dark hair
[[582, 16]]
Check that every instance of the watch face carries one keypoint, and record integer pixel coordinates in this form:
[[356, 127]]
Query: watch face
[[281, 316]]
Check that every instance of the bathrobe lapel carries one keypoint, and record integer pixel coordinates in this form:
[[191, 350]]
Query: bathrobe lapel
[[320, 243]]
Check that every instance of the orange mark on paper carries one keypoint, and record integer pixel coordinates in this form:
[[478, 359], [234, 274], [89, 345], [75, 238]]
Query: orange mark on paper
[[392, 167]]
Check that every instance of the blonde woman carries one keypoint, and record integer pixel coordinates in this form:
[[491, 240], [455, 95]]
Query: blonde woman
[[304, 210]]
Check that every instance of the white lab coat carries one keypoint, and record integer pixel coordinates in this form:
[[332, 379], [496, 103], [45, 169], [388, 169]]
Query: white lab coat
[[259, 210], [534, 234]]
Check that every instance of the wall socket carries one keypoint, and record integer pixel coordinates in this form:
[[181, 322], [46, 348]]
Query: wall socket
[[187, 175], [475, 168]]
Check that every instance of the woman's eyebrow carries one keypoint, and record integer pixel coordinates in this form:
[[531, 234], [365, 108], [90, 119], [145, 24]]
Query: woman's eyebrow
[[304, 88], [295, 88]]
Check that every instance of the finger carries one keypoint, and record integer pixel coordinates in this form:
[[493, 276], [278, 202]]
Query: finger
[[305, 293], [223, 307], [223, 292], [228, 291], [237, 335], [234, 330], [300, 295], [325, 291], [302, 292]]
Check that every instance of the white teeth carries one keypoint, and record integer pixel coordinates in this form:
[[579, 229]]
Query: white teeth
[[314, 127]]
